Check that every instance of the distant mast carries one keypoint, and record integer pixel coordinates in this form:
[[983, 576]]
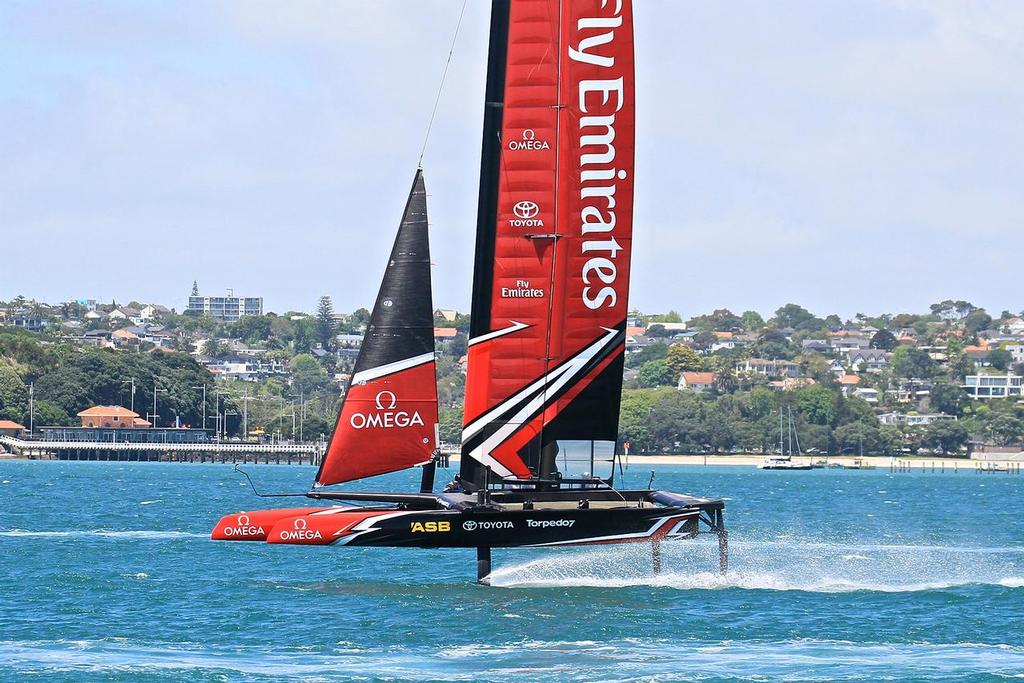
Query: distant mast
[[554, 235], [388, 420]]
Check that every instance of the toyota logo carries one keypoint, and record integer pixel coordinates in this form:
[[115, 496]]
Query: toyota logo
[[469, 526], [525, 209], [300, 524], [388, 396], [243, 519]]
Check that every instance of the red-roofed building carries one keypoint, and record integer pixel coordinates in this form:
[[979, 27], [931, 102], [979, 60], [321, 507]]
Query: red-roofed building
[[697, 381], [11, 428], [114, 417], [445, 332]]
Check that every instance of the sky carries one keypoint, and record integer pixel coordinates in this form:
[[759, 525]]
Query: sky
[[852, 157]]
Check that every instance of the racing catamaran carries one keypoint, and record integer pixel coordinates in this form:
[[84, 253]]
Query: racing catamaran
[[545, 359]]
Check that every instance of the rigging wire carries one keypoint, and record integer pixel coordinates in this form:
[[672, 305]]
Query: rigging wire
[[440, 87]]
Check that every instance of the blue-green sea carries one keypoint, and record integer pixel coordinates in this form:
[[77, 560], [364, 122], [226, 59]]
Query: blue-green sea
[[107, 573]]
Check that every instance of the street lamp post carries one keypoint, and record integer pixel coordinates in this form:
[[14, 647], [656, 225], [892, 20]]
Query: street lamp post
[[204, 404], [156, 391]]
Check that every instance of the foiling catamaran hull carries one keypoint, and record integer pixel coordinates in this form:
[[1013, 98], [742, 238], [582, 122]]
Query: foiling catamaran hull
[[462, 521]]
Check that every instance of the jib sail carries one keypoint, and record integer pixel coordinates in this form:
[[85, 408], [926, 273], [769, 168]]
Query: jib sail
[[554, 231], [388, 419]]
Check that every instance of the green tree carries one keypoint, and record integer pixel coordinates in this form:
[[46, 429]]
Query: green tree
[[655, 373], [752, 321], [308, 376], [910, 362], [946, 435], [649, 352], [13, 394], [948, 398], [816, 404], [325, 325], [977, 321], [681, 358], [884, 339], [858, 437], [1000, 359], [797, 317]]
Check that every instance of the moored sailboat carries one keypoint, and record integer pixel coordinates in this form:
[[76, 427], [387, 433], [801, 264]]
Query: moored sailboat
[[545, 358]]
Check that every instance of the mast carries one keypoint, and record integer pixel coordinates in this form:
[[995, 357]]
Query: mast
[[554, 233], [387, 421]]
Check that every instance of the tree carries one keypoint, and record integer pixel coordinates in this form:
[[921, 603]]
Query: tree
[[722, 320], [655, 373], [884, 340], [797, 317], [1000, 359], [816, 404], [308, 376], [681, 358], [952, 310], [658, 331], [948, 398], [946, 435], [649, 352], [704, 340], [752, 321], [670, 317], [977, 321], [858, 437], [13, 394], [913, 363], [325, 324], [773, 345]]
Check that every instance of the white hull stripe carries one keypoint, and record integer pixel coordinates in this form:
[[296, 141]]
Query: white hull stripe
[[515, 327], [391, 368], [623, 537]]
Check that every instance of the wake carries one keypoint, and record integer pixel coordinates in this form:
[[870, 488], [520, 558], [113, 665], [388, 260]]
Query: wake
[[818, 567], [141, 534]]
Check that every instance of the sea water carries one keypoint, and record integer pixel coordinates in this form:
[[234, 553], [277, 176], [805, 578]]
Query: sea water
[[107, 573]]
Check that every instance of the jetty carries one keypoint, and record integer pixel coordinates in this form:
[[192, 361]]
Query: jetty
[[212, 452]]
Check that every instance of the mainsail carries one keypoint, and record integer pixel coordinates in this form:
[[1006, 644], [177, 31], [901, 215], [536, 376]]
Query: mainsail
[[554, 230], [388, 420]]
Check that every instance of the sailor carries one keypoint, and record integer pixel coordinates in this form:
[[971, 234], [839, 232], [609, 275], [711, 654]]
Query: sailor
[[455, 485]]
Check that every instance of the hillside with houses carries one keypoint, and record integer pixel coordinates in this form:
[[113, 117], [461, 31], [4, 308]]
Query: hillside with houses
[[948, 380]]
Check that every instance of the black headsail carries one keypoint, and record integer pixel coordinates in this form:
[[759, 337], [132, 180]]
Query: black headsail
[[388, 420]]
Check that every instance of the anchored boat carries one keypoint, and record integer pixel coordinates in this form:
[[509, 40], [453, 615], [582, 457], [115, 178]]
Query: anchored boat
[[545, 358]]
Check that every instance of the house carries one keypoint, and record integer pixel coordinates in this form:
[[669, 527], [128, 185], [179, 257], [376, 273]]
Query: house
[[792, 383], [111, 417], [635, 331], [867, 360], [93, 315], [120, 314], [815, 345], [770, 368], [151, 311], [1016, 351], [848, 383], [124, 337], [866, 394], [844, 344], [634, 344], [697, 381], [979, 354], [11, 428], [1014, 326], [984, 387], [447, 314], [445, 333]]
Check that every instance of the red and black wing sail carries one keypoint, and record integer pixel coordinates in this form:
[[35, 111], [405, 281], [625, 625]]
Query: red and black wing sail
[[554, 235], [388, 419]]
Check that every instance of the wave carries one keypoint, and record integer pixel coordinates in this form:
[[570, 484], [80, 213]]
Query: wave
[[637, 658], [816, 567], [138, 534]]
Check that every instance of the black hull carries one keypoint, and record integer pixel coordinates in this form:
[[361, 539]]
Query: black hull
[[520, 528]]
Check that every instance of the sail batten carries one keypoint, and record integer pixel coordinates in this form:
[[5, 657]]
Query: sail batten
[[388, 418], [553, 239]]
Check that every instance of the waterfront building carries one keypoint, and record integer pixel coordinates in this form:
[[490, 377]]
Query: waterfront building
[[229, 308], [111, 417], [11, 428], [994, 386]]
